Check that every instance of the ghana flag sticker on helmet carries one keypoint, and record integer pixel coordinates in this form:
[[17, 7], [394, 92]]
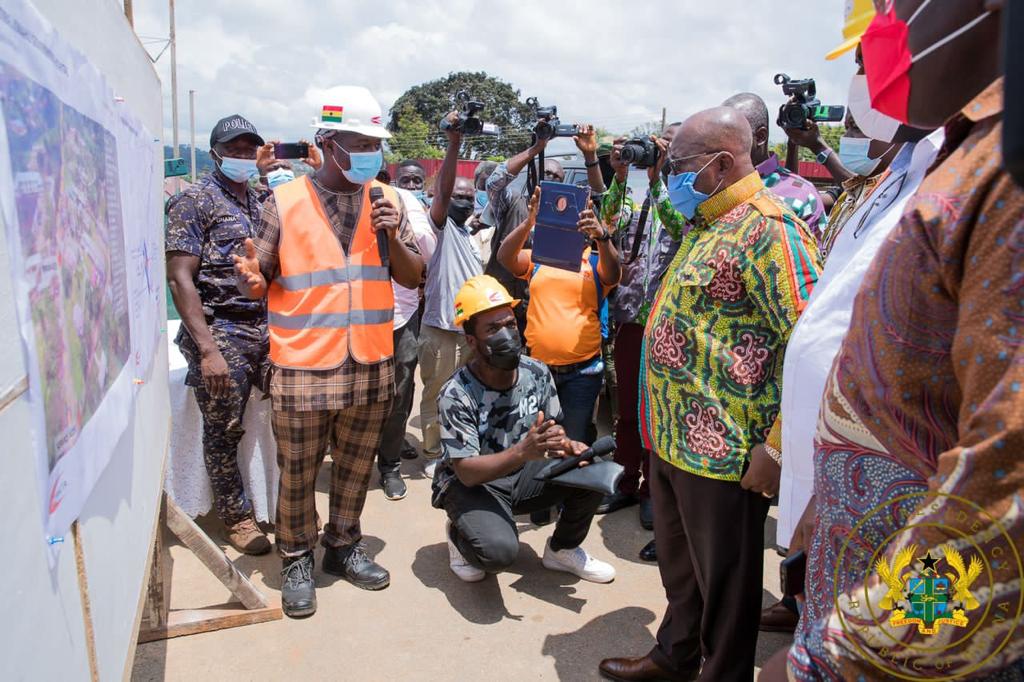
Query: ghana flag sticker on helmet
[[332, 114], [480, 294]]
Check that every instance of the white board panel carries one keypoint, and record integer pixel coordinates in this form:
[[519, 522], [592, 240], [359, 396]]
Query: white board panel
[[43, 635]]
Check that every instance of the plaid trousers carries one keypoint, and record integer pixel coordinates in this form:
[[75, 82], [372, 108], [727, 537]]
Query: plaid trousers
[[353, 435]]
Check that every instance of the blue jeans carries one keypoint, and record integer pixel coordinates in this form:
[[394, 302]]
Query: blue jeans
[[578, 394]]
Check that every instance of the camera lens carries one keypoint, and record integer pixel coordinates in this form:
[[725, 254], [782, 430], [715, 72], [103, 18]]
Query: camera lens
[[631, 152], [472, 126]]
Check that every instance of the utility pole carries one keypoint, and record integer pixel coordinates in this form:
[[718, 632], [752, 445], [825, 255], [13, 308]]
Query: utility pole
[[192, 130], [663, 119], [174, 85]]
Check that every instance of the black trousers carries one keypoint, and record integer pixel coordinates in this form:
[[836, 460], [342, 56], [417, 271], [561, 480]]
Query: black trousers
[[710, 537], [483, 527], [406, 339]]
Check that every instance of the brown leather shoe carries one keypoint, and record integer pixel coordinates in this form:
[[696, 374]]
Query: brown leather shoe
[[247, 538], [639, 668], [778, 618]]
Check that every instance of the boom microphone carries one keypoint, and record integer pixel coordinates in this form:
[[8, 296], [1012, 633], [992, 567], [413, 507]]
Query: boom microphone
[[376, 194], [602, 446]]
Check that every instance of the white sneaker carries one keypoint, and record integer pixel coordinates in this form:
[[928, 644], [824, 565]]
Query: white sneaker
[[578, 562], [429, 466], [467, 572]]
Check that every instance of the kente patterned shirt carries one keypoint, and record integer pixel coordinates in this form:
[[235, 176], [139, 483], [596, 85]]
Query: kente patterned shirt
[[799, 195], [711, 377], [921, 432], [631, 302]]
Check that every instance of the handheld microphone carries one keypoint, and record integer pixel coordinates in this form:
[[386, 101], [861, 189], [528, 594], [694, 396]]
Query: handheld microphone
[[376, 194], [602, 446]]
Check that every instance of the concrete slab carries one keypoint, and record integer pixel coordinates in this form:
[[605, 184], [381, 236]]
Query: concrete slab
[[527, 623]]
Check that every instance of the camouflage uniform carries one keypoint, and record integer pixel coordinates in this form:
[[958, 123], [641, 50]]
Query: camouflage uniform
[[477, 421], [207, 221]]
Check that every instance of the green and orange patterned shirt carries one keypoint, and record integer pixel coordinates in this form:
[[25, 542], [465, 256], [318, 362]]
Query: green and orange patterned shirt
[[711, 377]]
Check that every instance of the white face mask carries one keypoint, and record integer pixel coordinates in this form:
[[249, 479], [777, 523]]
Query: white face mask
[[853, 153], [874, 124]]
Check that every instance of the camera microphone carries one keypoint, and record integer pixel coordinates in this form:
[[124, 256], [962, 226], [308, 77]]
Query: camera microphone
[[602, 446], [376, 194]]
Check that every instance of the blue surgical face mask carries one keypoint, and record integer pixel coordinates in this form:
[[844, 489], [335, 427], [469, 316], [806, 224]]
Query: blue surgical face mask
[[481, 199], [853, 153], [684, 196], [238, 170], [279, 177], [364, 166]]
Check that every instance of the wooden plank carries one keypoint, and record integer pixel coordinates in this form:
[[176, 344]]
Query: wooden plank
[[194, 621], [212, 556], [83, 592], [156, 594]]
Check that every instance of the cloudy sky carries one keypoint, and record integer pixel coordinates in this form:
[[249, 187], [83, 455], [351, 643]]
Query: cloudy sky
[[616, 64]]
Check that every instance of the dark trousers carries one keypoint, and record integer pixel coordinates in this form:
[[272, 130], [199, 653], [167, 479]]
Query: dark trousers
[[629, 451], [389, 456], [578, 393], [484, 529], [710, 553], [222, 421]]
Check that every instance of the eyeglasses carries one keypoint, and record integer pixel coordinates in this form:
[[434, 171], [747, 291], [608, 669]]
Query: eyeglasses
[[674, 163]]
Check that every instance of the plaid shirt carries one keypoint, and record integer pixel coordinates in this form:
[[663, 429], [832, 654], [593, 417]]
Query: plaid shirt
[[353, 383]]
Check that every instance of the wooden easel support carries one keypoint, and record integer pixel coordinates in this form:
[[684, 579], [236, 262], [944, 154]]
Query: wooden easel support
[[161, 623]]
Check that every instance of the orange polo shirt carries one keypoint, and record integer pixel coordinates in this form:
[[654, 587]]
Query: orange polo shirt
[[563, 323]]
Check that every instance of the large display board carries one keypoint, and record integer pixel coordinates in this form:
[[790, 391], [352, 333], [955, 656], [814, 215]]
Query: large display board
[[83, 381]]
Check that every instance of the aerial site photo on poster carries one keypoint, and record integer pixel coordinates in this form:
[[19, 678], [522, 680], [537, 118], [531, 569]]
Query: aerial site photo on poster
[[74, 164]]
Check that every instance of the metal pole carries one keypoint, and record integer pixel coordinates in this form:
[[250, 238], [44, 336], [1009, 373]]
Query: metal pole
[[174, 85], [129, 13], [192, 130], [663, 118]]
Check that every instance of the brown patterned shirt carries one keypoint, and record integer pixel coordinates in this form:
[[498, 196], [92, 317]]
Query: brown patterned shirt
[[914, 567], [353, 383]]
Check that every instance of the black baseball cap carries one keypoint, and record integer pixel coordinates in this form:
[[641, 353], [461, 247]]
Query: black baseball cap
[[230, 127]]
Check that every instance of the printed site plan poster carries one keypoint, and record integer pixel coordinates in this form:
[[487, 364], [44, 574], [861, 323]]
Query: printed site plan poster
[[76, 190]]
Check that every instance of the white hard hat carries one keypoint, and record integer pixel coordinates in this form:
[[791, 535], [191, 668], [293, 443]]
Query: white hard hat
[[350, 109]]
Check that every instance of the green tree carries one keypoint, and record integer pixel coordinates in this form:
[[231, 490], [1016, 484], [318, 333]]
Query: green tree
[[829, 133], [412, 140], [503, 106]]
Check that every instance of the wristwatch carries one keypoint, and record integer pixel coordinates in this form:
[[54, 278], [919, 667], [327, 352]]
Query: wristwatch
[[773, 453], [591, 164], [607, 235], [823, 155]]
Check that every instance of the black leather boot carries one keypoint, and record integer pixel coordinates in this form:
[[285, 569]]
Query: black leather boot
[[298, 590], [352, 564]]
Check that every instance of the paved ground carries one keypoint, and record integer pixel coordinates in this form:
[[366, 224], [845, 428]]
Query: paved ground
[[528, 623]]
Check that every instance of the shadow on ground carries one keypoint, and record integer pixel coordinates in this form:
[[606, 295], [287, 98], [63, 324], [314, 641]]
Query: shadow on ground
[[482, 603], [619, 633]]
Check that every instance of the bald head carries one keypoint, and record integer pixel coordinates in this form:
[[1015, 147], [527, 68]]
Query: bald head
[[553, 171], [755, 111], [715, 142]]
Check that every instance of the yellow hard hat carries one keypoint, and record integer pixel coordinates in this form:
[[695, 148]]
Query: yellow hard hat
[[480, 294], [859, 14]]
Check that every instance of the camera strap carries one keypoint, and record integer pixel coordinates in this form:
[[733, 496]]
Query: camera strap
[[641, 223]]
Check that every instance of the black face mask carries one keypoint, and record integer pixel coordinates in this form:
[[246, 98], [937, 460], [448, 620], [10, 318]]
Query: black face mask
[[459, 210], [501, 349]]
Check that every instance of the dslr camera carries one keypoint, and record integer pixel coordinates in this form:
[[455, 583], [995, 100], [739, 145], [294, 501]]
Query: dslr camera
[[548, 124], [642, 152], [804, 105], [469, 122]]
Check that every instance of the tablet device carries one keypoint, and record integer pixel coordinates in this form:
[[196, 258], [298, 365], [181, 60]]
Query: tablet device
[[556, 240]]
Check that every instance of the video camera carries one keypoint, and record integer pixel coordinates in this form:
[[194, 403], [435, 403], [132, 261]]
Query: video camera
[[468, 122], [804, 105], [642, 152], [548, 125]]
